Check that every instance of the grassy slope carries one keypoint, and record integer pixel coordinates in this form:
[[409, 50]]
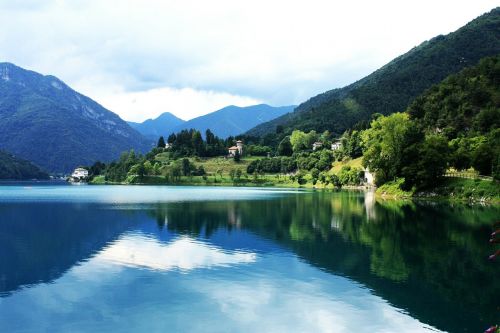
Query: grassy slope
[[355, 163]]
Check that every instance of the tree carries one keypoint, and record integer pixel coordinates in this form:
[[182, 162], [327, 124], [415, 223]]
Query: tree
[[161, 142], [141, 170], [285, 147], [237, 156], [171, 138], [298, 140], [314, 175], [210, 137], [482, 159], [429, 164], [384, 143], [186, 167], [300, 178]]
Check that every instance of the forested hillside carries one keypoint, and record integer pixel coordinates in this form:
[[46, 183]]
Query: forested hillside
[[394, 86], [12, 167]]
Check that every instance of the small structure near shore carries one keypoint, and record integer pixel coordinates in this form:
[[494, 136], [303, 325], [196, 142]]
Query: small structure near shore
[[369, 178], [238, 148], [79, 175]]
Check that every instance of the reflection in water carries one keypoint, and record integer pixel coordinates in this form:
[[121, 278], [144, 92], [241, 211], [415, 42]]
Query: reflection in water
[[313, 261], [182, 253]]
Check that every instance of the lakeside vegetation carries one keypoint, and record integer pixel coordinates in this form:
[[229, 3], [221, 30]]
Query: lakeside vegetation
[[454, 125]]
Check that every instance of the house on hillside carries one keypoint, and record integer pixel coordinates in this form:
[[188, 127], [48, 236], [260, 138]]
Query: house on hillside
[[317, 145], [238, 148], [336, 145]]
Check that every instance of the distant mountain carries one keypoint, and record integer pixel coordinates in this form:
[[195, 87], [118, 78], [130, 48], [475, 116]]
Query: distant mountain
[[154, 128], [394, 86], [234, 120], [45, 121], [12, 167]]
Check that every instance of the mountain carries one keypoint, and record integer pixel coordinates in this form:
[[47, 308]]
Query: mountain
[[233, 120], [154, 128], [45, 121], [12, 167], [394, 86], [465, 104]]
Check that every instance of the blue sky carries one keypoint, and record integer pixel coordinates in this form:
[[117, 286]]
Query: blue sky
[[142, 58]]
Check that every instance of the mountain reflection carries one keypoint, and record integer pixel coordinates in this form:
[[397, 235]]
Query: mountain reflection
[[427, 259]]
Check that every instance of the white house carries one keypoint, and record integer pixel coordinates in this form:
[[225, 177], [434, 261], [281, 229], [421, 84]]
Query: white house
[[317, 145], [369, 178], [80, 173], [238, 148], [337, 144]]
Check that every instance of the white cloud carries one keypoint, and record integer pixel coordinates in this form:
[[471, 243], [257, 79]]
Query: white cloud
[[279, 52], [186, 102]]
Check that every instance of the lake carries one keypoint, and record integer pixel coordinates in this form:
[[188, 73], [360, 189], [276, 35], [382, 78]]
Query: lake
[[215, 259]]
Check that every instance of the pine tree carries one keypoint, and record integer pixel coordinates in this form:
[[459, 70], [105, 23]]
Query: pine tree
[[161, 142]]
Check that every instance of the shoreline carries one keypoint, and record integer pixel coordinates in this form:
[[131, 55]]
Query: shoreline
[[432, 195]]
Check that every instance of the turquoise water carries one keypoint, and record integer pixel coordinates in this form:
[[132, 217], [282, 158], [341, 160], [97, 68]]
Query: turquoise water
[[201, 259]]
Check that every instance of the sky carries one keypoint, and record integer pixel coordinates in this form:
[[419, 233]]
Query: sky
[[142, 58]]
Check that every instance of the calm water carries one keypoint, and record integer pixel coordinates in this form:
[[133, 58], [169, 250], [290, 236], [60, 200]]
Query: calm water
[[197, 259]]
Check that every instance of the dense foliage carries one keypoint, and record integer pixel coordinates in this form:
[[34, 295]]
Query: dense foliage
[[12, 167], [454, 124], [394, 86]]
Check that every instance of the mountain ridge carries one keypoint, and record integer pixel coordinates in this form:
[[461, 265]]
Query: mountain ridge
[[231, 120], [154, 128], [45, 121]]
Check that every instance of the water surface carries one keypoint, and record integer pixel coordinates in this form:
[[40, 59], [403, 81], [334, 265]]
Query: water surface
[[201, 259]]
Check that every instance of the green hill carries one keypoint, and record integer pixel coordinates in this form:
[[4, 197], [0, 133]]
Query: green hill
[[394, 86], [12, 167], [465, 104], [465, 109]]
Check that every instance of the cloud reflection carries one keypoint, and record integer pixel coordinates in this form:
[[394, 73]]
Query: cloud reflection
[[183, 253]]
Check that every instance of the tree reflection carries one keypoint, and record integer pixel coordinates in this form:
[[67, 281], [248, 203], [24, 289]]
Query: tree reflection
[[438, 250]]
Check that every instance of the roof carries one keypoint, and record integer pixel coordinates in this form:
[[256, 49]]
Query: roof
[[233, 148]]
